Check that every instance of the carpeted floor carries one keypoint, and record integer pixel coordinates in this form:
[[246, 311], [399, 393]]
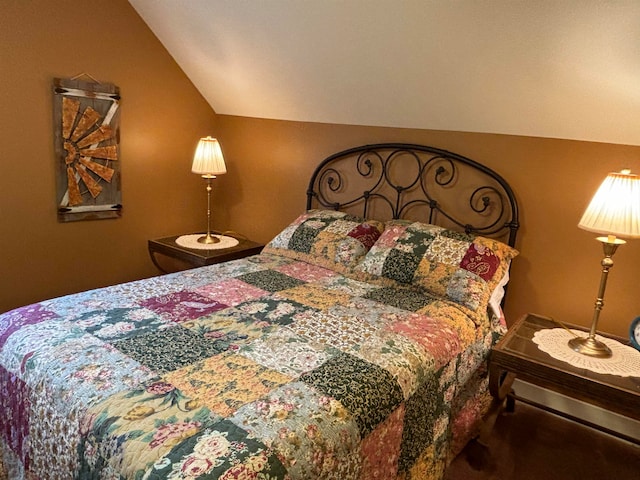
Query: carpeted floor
[[531, 444]]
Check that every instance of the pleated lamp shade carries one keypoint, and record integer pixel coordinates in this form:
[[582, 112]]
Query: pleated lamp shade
[[208, 159], [615, 208]]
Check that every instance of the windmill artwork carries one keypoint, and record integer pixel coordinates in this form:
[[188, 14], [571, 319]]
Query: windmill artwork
[[86, 136]]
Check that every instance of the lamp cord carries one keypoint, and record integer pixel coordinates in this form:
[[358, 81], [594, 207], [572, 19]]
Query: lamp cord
[[563, 326], [231, 233]]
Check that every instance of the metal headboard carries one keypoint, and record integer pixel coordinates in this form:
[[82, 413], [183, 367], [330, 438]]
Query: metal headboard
[[396, 180]]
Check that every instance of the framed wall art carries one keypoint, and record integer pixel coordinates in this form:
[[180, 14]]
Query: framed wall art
[[87, 149]]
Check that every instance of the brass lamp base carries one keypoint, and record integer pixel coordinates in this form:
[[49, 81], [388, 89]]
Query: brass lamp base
[[208, 239], [590, 346]]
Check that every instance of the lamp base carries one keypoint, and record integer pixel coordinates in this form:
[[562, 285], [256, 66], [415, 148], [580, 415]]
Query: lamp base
[[590, 346], [208, 239]]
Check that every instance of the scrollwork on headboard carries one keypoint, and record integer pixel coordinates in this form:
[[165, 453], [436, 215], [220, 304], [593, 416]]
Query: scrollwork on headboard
[[416, 182]]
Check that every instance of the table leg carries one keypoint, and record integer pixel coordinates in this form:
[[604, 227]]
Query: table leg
[[500, 382]]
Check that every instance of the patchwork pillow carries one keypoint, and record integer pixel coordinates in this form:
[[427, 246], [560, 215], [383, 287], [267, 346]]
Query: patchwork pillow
[[328, 238], [463, 268]]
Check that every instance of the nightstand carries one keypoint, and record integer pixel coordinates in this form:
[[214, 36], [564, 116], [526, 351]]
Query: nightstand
[[516, 355], [168, 256]]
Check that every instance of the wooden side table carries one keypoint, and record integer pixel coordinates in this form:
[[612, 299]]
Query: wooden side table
[[183, 258], [516, 355]]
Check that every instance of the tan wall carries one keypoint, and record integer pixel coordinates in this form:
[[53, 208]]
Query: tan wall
[[163, 116], [269, 164], [558, 271]]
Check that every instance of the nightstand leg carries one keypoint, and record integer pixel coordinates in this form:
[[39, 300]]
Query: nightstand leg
[[511, 402], [500, 382]]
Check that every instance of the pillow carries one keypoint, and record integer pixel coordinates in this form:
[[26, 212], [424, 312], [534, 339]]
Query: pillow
[[498, 294], [327, 238], [463, 268]]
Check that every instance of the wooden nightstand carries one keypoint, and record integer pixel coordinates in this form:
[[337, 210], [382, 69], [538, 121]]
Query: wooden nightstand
[[516, 355], [174, 257]]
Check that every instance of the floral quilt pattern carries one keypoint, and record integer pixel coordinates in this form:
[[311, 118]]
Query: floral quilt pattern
[[265, 368]]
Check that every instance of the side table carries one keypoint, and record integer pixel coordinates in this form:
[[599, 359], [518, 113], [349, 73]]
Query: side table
[[516, 355], [185, 258]]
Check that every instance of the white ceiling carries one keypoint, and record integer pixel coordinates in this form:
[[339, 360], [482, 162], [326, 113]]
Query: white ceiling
[[546, 68]]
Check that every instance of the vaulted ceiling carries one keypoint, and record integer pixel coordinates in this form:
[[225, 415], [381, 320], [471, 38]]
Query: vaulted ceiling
[[562, 69]]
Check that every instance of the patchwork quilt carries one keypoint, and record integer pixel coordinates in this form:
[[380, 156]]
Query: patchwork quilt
[[349, 349], [267, 367]]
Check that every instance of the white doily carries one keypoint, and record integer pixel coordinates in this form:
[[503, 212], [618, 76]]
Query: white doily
[[191, 241], [624, 361]]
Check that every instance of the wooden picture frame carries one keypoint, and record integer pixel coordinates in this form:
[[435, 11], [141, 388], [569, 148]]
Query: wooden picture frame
[[87, 149]]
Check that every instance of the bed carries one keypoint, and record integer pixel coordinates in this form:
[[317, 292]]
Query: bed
[[353, 347]]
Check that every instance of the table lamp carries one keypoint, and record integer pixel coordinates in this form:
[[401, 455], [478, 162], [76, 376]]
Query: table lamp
[[208, 162], [614, 211]]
